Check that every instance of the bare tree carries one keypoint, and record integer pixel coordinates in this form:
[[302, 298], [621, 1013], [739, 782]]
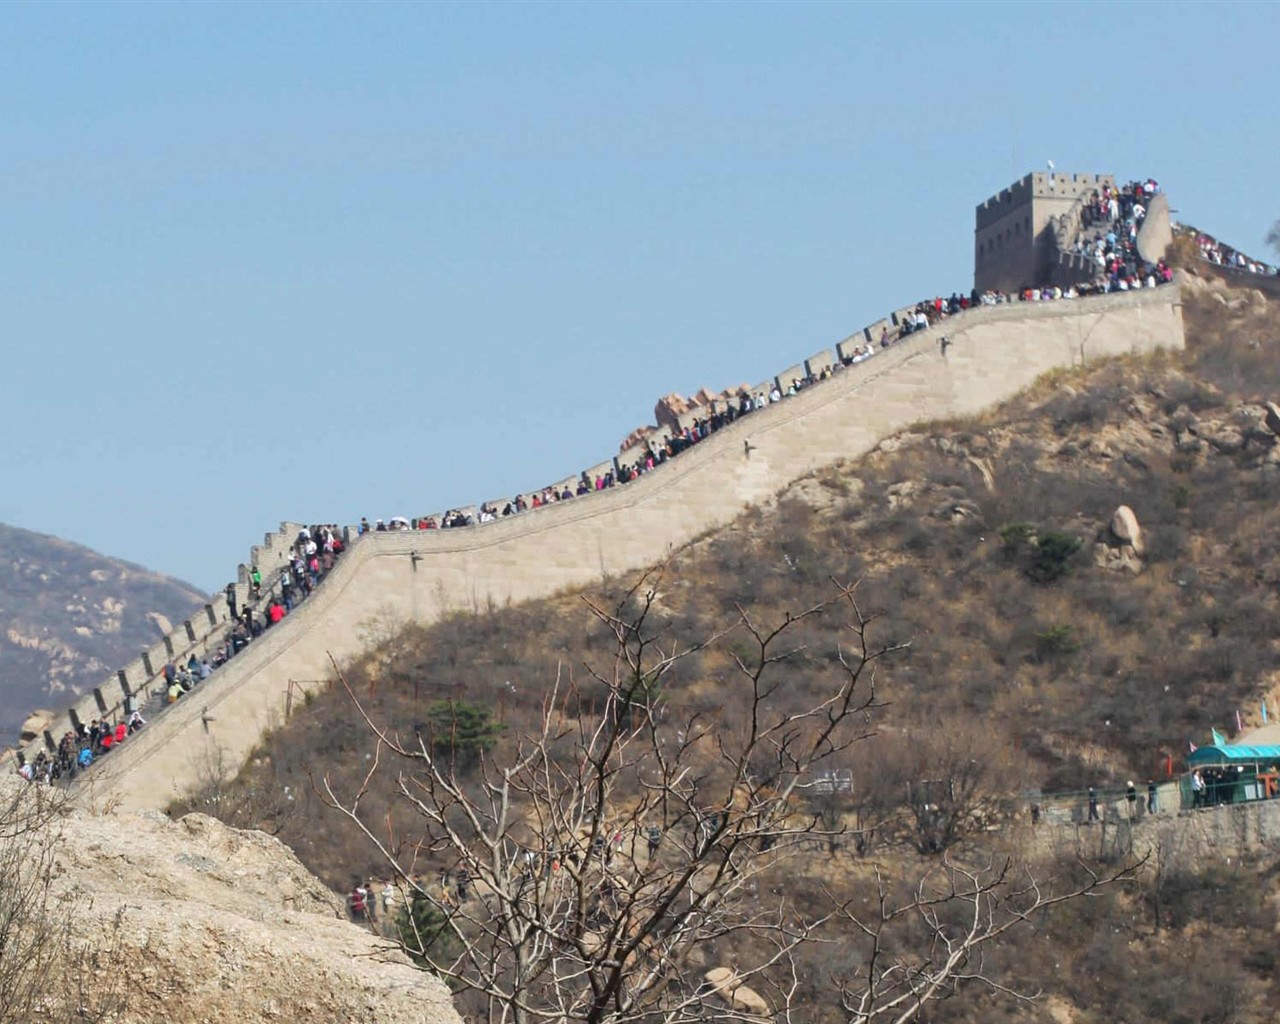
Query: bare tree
[[46, 972], [239, 803], [1273, 236], [931, 940], [29, 942], [958, 778], [597, 861]]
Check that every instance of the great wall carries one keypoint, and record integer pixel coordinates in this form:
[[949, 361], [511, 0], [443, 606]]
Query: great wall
[[388, 579]]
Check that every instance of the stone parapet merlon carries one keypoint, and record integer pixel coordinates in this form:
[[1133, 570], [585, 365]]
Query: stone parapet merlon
[[133, 684]]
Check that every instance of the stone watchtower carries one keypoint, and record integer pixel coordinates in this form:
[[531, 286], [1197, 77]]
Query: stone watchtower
[[1016, 231]]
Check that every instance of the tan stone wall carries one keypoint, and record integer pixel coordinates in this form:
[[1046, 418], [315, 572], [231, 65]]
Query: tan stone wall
[[391, 578], [135, 683], [1194, 838]]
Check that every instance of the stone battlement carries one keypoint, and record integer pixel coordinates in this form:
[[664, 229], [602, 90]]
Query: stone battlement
[[137, 682], [1040, 184], [388, 579]]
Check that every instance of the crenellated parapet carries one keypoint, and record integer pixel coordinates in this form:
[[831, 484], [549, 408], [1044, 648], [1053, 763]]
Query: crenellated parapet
[[138, 683], [385, 580]]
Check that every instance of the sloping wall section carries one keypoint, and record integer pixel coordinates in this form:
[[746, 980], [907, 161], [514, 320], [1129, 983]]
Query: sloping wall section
[[391, 578]]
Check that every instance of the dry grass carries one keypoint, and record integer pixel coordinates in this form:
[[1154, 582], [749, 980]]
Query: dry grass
[[1089, 678]]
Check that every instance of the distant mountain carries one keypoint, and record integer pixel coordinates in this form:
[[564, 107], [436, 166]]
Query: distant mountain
[[69, 617]]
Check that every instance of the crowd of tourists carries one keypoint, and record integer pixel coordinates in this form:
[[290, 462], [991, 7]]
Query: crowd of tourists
[[312, 557], [1109, 225], [1119, 210], [79, 748], [1214, 785], [1221, 254], [1123, 272]]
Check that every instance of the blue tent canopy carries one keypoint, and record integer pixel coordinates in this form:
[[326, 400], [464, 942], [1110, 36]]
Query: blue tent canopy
[[1232, 754]]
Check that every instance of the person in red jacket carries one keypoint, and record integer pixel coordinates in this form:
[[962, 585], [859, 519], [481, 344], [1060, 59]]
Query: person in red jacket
[[122, 730]]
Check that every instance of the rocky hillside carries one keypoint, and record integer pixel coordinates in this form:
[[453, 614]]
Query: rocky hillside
[[133, 919], [69, 617], [1091, 642], [1085, 579]]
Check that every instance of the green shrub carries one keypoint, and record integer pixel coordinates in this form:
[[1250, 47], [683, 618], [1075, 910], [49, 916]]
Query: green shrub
[[423, 930], [1015, 535], [1056, 641], [461, 731], [1054, 551]]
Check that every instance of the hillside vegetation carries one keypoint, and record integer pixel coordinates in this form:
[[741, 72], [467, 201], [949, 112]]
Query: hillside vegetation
[[69, 617], [1042, 654]]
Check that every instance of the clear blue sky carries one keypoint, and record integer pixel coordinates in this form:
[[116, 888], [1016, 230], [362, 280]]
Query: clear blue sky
[[289, 261]]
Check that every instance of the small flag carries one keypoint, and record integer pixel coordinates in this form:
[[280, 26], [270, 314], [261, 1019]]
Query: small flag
[[1239, 727], [1218, 740], [1193, 747]]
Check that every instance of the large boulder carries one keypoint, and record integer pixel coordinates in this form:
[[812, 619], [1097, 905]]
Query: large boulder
[[638, 436], [1156, 234], [1273, 418], [725, 983], [669, 409], [1125, 529], [35, 725], [1120, 545]]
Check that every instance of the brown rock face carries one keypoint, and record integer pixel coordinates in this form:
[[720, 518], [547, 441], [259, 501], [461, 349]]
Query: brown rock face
[[1273, 418], [1120, 546], [671, 407], [36, 723], [637, 436], [215, 924], [1124, 525]]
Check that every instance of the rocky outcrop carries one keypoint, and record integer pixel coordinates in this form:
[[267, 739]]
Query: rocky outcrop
[[671, 407], [725, 983], [1272, 418], [637, 436], [36, 723], [1125, 528], [209, 923], [1120, 546]]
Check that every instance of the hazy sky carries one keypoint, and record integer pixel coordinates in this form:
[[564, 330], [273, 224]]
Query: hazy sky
[[292, 261]]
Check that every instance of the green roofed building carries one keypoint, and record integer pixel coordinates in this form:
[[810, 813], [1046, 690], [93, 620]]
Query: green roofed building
[[1232, 774]]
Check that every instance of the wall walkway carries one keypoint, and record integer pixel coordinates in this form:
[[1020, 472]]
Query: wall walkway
[[135, 683], [387, 579], [1187, 839]]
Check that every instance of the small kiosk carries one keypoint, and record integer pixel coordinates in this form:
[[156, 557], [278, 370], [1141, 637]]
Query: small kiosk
[[1231, 774]]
